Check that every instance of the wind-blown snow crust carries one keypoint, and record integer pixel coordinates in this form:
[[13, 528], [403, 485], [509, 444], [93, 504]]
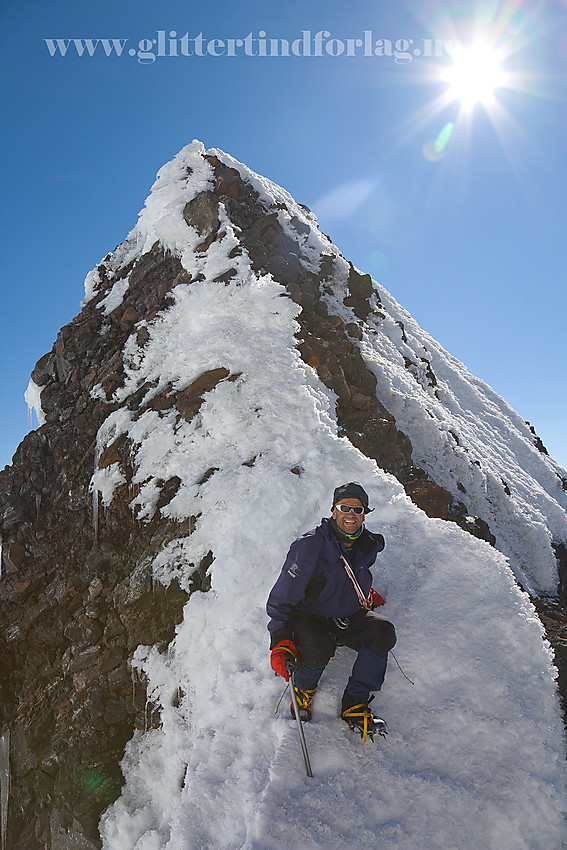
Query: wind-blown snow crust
[[473, 443], [475, 752]]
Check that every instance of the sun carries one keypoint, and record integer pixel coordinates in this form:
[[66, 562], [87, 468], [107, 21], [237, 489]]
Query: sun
[[478, 82], [475, 74]]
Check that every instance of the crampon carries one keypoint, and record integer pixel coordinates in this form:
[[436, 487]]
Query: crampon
[[361, 719], [304, 702]]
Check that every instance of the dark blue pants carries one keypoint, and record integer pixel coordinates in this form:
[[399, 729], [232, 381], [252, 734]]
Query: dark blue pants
[[369, 634]]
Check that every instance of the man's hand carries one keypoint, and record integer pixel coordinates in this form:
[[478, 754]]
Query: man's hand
[[283, 652], [376, 599]]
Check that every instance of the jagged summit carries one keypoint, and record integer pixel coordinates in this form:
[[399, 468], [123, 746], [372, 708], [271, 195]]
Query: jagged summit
[[222, 222], [228, 368]]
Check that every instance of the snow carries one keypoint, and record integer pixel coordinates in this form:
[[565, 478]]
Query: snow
[[475, 754], [32, 397], [106, 481], [115, 296], [473, 742], [472, 443]]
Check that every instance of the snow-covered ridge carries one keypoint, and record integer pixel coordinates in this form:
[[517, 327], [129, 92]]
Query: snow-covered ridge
[[161, 219], [476, 746], [469, 440]]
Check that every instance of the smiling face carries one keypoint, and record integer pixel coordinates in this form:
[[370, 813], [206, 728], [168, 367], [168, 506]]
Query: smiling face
[[351, 522]]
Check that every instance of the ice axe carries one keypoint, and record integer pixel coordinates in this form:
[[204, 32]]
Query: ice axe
[[290, 666]]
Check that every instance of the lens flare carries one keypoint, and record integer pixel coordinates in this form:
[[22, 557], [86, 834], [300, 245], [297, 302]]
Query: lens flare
[[434, 150], [444, 136]]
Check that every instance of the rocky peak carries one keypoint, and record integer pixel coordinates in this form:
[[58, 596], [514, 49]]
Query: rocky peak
[[86, 508]]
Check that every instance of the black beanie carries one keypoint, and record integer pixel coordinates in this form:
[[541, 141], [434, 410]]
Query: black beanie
[[352, 491]]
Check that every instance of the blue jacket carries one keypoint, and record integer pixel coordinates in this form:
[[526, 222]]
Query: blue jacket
[[314, 578]]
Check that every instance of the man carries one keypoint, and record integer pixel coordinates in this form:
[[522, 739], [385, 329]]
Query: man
[[323, 599]]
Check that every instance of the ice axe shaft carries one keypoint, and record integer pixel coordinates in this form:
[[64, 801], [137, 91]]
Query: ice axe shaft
[[291, 669]]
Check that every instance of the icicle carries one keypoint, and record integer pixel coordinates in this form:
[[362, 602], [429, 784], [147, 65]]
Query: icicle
[[148, 711], [95, 515], [33, 400], [133, 674], [95, 491], [4, 782]]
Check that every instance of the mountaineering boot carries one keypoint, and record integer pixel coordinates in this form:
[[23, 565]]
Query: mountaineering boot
[[304, 701], [358, 714]]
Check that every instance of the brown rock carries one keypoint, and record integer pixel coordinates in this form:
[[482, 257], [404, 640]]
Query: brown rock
[[431, 498], [202, 213], [17, 555]]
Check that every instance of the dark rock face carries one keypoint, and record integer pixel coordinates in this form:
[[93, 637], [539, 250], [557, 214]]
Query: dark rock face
[[76, 589], [77, 595]]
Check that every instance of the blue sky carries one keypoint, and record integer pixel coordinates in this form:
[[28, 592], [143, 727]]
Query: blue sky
[[467, 234]]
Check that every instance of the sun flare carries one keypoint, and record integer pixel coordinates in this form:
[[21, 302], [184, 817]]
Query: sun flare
[[475, 74]]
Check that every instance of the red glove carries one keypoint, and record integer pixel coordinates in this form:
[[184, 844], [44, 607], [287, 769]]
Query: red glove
[[376, 599], [283, 652]]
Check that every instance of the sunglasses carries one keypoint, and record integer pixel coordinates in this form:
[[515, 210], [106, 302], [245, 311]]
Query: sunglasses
[[346, 509]]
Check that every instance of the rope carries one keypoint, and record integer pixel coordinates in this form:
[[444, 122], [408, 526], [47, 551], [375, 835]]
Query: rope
[[364, 601], [282, 696], [401, 671]]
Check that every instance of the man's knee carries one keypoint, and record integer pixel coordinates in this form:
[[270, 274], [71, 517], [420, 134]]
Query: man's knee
[[380, 636]]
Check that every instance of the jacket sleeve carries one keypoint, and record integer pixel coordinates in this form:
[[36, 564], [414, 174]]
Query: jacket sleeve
[[291, 586]]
